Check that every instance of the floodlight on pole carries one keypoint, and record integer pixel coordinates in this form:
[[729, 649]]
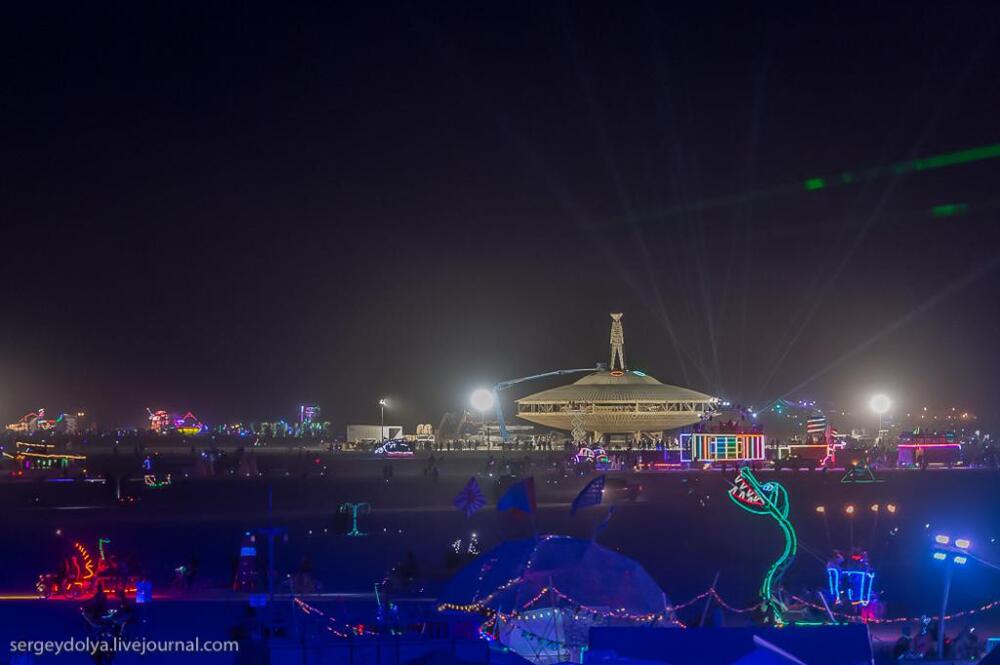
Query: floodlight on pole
[[880, 404], [382, 403], [483, 400], [957, 549]]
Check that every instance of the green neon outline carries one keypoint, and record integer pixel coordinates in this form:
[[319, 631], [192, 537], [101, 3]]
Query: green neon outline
[[775, 498], [354, 508]]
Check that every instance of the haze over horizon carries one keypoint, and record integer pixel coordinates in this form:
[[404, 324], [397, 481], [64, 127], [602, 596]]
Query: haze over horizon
[[234, 209]]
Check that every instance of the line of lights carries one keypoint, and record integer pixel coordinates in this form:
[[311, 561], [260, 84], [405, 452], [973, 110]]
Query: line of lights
[[52, 456], [475, 608], [862, 619], [849, 509], [619, 613], [314, 611]]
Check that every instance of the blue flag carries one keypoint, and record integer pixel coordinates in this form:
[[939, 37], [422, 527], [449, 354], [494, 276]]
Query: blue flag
[[604, 523], [591, 495], [520, 497], [471, 498]]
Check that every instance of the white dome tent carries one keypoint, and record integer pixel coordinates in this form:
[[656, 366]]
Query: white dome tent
[[541, 596]]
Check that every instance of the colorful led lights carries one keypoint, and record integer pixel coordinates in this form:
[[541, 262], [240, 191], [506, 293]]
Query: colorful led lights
[[722, 447], [942, 540]]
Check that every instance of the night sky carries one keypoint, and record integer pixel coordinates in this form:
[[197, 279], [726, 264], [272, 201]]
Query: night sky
[[234, 208]]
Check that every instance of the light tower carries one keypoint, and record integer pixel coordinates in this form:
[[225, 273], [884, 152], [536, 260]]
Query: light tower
[[880, 404], [617, 342], [382, 403], [482, 401]]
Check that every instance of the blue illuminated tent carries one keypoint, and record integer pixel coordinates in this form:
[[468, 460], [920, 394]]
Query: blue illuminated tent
[[548, 592]]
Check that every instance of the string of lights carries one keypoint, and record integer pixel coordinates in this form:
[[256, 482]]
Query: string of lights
[[860, 619], [617, 613], [724, 604], [344, 631]]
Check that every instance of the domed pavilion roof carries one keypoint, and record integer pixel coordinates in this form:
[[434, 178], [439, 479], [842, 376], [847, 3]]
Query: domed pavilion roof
[[616, 386]]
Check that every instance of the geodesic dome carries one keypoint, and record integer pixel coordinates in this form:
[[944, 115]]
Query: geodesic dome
[[541, 596]]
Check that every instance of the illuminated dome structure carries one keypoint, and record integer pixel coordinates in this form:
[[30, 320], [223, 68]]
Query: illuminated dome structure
[[616, 401]]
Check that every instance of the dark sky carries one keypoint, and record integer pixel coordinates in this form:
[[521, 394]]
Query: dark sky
[[233, 208]]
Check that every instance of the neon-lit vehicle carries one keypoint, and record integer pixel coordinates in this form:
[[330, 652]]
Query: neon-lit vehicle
[[659, 460], [395, 448], [850, 579], [847, 457], [81, 575], [922, 449], [39, 461], [722, 441], [596, 456], [802, 457]]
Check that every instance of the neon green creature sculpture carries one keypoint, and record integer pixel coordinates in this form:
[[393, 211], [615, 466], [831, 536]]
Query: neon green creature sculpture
[[768, 499], [354, 509]]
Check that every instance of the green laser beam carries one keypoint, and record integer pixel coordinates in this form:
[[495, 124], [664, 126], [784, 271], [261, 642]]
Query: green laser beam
[[811, 184], [950, 209], [899, 168]]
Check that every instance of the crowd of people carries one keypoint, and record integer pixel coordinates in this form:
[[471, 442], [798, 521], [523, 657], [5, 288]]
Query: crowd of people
[[924, 645]]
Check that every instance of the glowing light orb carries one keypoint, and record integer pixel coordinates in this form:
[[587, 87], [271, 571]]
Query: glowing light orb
[[880, 403], [481, 399]]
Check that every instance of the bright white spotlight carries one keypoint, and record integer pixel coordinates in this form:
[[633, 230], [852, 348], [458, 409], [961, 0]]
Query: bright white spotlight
[[481, 399], [880, 403]]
